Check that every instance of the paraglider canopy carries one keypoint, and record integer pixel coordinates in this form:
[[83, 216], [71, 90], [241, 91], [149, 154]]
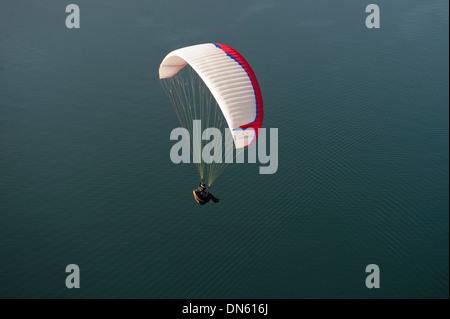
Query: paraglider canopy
[[230, 80]]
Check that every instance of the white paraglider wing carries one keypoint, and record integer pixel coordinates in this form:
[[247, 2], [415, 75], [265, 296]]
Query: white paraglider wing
[[231, 81]]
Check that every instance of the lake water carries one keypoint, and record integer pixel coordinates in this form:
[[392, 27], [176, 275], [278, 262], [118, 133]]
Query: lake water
[[363, 176]]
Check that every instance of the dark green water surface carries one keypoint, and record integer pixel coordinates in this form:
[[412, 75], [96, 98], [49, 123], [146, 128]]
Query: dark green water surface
[[363, 176]]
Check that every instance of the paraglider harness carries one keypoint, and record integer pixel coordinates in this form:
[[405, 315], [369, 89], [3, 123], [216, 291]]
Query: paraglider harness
[[202, 194]]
